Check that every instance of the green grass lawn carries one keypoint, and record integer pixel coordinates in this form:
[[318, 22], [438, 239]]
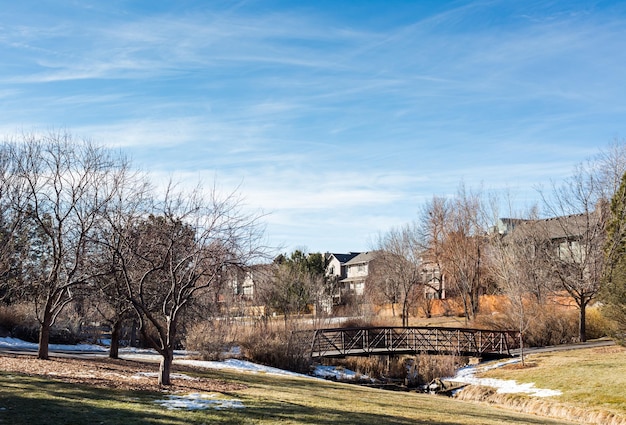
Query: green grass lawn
[[268, 400], [593, 378]]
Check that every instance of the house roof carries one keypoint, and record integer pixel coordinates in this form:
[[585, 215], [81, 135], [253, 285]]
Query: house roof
[[563, 227], [364, 257], [343, 258]]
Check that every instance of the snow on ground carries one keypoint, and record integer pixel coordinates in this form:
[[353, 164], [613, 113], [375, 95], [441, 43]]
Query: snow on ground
[[467, 375], [156, 375], [326, 372], [338, 373], [239, 365], [18, 344], [199, 401]]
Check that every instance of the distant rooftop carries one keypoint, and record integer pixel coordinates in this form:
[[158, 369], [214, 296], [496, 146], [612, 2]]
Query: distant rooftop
[[343, 258], [364, 257]]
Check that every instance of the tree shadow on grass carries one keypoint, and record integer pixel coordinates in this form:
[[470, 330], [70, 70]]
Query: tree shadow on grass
[[35, 401], [275, 412], [285, 400]]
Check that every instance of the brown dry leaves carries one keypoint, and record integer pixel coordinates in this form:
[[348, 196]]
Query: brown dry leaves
[[109, 373]]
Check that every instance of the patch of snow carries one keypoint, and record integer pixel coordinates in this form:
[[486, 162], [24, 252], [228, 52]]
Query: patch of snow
[[131, 353], [326, 372], [180, 376], [467, 375], [198, 401], [14, 343], [333, 372], [239, 365]]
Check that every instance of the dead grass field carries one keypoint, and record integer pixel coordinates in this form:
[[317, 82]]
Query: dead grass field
[[100, 391], [592, 380]]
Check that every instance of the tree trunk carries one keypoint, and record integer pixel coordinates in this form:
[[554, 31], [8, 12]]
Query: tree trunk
[[168, 351], [405, 313], [44, 337], [115, 339], [133, 334], [521, 347], [582, 323], [166, 366]]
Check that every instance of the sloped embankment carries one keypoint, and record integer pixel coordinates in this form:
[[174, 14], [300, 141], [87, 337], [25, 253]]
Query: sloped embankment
[[546, 407]]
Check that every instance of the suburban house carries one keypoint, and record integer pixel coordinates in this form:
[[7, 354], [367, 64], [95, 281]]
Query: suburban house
[[336, 264], [349, 273], [336, 271], [570, 234], [566, 234], [243, 283], [357, 270], [572, 247], [345, 278]]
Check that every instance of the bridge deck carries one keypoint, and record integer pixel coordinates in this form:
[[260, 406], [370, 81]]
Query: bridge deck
[[342, 342]]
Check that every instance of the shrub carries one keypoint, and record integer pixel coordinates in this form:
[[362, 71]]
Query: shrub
[[615, 316], [430, 367], [552, 326], [211, 339], [276, 345], [548, 324], [26, 333], [598, 325], [411, 370], [63, 336], [16, 315], [18, 321], [376, 367]]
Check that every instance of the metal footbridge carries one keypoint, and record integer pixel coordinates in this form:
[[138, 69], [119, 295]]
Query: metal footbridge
[[367, 341]]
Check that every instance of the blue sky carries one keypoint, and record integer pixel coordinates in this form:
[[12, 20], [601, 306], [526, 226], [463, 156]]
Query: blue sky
[[337, 118]]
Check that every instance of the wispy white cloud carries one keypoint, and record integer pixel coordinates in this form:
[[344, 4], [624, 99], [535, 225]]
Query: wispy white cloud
[[323, 117]]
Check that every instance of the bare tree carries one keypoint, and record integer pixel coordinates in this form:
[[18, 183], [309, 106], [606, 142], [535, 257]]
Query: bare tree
[[131, 201], [609, 166], [576, 235], [14, 231], [397, 276], [7, 223], [516, 262], [463, 249], [180, 250], [432, 230], [66, 184]]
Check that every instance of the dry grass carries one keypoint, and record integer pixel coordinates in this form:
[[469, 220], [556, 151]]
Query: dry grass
[[592, 381], [551, 408], [68, 391]]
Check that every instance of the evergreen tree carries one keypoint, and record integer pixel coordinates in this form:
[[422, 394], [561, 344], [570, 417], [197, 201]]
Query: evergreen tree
[[613, 293]]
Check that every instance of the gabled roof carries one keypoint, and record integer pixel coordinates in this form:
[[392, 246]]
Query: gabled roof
[[566, 227], [343, 258], [562, 227], [364, 257]]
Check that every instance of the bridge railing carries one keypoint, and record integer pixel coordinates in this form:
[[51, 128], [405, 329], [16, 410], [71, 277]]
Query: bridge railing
[[341, 342]]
